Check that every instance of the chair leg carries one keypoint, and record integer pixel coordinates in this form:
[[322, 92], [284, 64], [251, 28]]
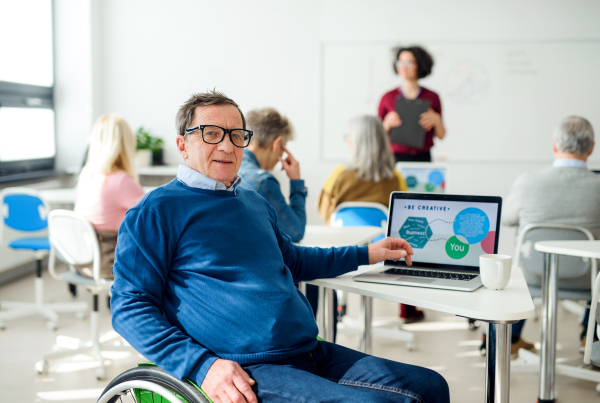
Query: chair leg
[[14, 309], [93, 347]]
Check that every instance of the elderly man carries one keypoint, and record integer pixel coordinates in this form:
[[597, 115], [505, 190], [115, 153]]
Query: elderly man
[[204, 284], [566, 193], [271, 133]]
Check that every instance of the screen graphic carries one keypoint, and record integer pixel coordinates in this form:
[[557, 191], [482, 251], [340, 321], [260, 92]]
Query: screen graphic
[[424, 179], [446, 232]]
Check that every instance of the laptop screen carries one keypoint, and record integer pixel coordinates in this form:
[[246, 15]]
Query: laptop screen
[[446, 231], [423, 177]]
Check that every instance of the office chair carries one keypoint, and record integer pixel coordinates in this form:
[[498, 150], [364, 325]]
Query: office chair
[[24, 215], [351, 214], [575, 276], [591, 353], [73, 240]]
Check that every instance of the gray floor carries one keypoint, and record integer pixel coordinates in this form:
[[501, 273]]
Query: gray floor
[[444, 344]]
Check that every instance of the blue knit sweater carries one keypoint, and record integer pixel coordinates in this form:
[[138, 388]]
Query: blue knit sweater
[[203, 274]]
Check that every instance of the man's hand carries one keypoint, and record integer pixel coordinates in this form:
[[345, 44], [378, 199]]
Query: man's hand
[[391, 120], [290, 165], [390, 248], [429, 119], [227, 382]]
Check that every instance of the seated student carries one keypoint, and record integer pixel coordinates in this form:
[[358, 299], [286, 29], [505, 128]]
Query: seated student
[[369, 177], [566, 193], [204, 284], [271, 134], [108, 186]]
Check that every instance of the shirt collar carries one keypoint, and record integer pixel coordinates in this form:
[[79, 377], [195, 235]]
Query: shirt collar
[[251, 156], [195, 179], [569, 163]]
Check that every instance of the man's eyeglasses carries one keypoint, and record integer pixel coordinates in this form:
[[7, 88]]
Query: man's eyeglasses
[[406, 63], [214, 135]]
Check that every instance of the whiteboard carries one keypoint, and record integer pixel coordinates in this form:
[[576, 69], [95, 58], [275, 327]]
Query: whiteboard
[[500, 101]]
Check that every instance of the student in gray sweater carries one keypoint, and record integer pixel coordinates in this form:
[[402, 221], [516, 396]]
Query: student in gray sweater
[[566, 193]]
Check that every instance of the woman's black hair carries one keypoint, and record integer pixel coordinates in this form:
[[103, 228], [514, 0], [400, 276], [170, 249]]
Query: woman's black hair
[[424, 60]]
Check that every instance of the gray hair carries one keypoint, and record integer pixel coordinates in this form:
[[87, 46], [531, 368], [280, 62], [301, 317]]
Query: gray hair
[[575, 135], [372, 157], [268, 124]]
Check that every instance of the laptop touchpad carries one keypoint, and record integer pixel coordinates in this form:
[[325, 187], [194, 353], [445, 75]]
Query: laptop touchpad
[[416, 279]]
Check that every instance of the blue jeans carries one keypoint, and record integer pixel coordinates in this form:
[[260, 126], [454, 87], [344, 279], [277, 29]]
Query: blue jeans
[[332, 373]]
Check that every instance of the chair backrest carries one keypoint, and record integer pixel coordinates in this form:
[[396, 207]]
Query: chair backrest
[[589, 355], [569, 268], [73, 240], [23, 209], [351, 214]]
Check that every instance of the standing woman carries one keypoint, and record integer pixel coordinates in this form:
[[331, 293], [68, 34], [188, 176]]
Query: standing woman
[[413, 63], [108, 186]]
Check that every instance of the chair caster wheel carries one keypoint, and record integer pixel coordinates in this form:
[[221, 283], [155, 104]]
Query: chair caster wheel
[[42, 367], [100, 373], [598, 388], [473, 325], [411, 346], [81, 315], [51, 325], [2, 325]]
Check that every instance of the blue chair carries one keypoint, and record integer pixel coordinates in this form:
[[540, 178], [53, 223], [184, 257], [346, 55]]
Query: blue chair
[[24, 227], [352, 214]]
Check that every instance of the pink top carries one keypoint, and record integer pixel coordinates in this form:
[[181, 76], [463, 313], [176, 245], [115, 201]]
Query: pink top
[[105, 198]]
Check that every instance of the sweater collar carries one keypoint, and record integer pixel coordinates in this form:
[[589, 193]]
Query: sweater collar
[[195, 179]]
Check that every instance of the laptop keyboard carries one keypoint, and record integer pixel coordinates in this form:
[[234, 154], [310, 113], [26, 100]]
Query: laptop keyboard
[[431, 274]]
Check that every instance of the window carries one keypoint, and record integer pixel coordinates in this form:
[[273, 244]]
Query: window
[[27, 135]]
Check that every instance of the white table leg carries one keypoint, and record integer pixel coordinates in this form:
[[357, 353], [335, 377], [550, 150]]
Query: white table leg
[[497, 374], [548, 349]]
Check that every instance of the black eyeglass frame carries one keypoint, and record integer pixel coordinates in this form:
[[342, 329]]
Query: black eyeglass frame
[[225, 131]]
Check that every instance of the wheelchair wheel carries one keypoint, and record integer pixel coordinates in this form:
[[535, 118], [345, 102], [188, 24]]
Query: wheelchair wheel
[[150, 384]]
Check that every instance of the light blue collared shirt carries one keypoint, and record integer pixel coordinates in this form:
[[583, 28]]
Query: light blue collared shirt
[[569, 163], [195, 179]]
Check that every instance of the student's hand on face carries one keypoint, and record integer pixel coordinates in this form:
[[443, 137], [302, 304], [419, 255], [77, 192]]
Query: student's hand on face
[[227, 382], [391, 120], [390, 248], [429, 119], [290, 165]]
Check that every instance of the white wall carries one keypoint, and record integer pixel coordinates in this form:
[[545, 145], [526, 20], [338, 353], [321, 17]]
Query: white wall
[[150, 55]]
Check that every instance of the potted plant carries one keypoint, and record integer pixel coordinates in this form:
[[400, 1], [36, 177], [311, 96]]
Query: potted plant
[[149, 150]]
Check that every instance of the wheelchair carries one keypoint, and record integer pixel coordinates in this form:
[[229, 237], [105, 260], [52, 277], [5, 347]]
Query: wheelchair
[[148, 383]]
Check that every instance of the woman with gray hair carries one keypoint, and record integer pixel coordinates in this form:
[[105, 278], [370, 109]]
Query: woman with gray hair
[[370, 176]]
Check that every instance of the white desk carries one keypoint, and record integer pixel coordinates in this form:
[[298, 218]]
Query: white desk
[[499, 308], [324, 236], [589, 249], [67, 196]]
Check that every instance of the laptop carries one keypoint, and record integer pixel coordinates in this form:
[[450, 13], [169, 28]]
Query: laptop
[[448, 233]]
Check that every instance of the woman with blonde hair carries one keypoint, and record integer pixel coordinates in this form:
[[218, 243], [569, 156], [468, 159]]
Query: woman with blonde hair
[[108, 185]]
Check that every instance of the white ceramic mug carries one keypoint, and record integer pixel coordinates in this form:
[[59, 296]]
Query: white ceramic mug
[[495, 270]]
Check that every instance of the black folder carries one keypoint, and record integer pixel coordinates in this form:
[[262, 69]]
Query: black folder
[[410, 133]]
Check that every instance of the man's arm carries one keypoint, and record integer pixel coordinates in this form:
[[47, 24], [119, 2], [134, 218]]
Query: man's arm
[[311, 263], [143, 257], [291, 218]]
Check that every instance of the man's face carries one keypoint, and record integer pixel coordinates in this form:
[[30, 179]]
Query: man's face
[[220, 162]]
